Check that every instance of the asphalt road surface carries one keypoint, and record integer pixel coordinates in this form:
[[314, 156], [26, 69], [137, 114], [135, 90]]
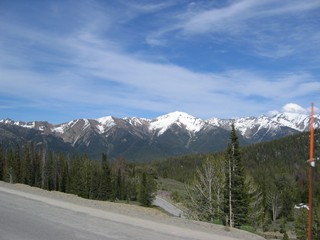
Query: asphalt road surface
[[25, 216], [164, 204]]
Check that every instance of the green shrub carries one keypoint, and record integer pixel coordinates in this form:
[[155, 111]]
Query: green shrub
[[248, 228], [176, 196], [217, 221]]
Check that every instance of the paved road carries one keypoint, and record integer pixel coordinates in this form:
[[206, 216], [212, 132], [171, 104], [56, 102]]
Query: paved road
[[25, 216], [164, 204]]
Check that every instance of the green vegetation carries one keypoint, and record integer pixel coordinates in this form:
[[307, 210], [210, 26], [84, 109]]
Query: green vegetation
[[146, 190], [236, 194], [248, 228], [267, 180], [176, 188], [276, 175], [78, 175]]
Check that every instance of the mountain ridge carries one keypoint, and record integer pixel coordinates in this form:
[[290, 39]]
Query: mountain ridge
[[172, 134]]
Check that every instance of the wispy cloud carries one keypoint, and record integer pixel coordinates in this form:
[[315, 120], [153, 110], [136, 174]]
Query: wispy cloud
[[273, 29], [100, 74], [87, 66]]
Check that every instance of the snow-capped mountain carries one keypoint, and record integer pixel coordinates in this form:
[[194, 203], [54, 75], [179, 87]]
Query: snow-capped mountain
[[182, 120], [171, 134]]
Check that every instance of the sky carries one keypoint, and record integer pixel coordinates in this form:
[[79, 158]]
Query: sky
[[63, 60]]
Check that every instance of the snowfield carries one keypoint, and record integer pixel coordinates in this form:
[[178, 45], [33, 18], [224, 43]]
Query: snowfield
[[75, 215]]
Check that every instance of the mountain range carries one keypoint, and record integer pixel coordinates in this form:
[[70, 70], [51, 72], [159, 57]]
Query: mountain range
[[141, 139]]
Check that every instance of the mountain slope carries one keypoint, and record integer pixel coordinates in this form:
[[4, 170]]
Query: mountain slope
[[143, 139]]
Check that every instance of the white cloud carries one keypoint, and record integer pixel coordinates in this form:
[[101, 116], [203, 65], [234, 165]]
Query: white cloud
[[98, 72], [240, 13], [83, 67], [219, 19], [268, 28], [294, 108]]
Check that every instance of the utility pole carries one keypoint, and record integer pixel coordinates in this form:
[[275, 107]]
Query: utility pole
[[312, 165]]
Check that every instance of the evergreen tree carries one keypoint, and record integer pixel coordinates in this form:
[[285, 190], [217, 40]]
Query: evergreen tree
[[17, 167], [49, 172], [147, 188], [62, 173], [118, 185], [36, 174], [2, 162], [256, 208], [120, 178], [132, 183], [235, 194], [25, 165], [74, 183], [105, 190], [9, 170], [301, 223]]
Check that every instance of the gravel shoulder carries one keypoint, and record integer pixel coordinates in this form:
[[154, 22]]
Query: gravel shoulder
[[116, 210]]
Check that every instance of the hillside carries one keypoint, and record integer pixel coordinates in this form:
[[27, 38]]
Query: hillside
[[285, 156]]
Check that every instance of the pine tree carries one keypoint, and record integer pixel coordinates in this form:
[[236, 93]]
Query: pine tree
[[2, 162], [236, 194], [105, 190], [9, 173], [147, 187], [17, 164], [62, 173], [49, 172], [29, 169], [120, 178]]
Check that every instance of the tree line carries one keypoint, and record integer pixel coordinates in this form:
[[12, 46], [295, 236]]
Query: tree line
[[101, 180]]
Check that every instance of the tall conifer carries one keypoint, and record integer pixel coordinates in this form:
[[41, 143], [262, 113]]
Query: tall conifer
[[2, 162], [105, 191], [236, 195]]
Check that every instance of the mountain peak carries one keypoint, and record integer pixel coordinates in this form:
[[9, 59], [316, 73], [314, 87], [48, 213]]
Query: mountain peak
[[132, 136], [298, 121], [164, 122], [107, 121]]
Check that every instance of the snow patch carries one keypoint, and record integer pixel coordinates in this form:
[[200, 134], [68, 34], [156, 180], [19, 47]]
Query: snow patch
[[293, 120], [182, 119], [136, 121], [73, 123], [105, 123], [86, 124]]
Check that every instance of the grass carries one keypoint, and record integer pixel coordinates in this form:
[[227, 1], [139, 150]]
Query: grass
[[175, 188], [248, 228]]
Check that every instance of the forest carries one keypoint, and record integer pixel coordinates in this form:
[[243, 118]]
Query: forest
[[249, 187], [277, 183], [79, 175]]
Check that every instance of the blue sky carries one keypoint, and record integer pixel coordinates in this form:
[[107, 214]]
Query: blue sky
[[63, 60]]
